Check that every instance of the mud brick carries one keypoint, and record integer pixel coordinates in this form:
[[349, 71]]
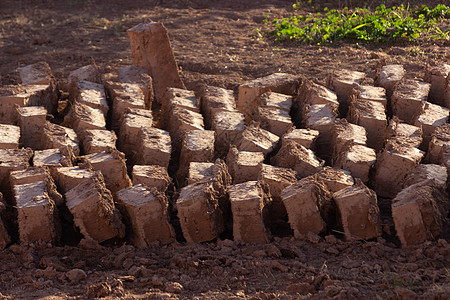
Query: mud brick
[[248, 202], [307, 203], [408, 99], [310, 94], [131, 123], [213, 100], [359, 212], [93, 210], [440, 138], [275, 120], [147, 212], [418, 212], [23, 95], [370, 115], [37, 74], [305, 137], [388, 76], [177, 98], [371, 93], [31, 121], [342, 83], [278, 83], [228, 126], [404, 133], [438, 77], [358, 159], [35, 213], [140, 76], [394, 163], [9, 136], [88, 73], [298, 158], [276, 100], [277, 178], [98, 140], [151, 49], [69, 177], [201, 219], [123, 96], [244, 165], [154, 147], [151, 176], [90, 94], [343, 132], [57, 136], [54, 158], [82, 117], [425, 172], [199, 171], [430, 117], [198, 145], [256, 139], [216, 172], [5, 239], [335, 179], [181, 122], [12, 160]]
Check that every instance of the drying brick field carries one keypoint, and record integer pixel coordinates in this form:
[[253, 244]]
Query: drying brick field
[[161, 150]]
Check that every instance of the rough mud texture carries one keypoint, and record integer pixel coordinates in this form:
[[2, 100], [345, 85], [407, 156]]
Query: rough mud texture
[[440, 140], [342, 83], [98, 140], [213, 100], [335, 179], [69, 177], [408, 98], [344, 132], [228, 126], [244, 165], [31, 121], [388, 76], [138, 75], [151, 176], [81, 118], [89, 93], [430, 117], [9, 136], [403, 132], [256, 139], [154, 147], [438, 77], [38, 74], [304, 137], [427, 171], [358, 159], [88, 73], [57, 136]]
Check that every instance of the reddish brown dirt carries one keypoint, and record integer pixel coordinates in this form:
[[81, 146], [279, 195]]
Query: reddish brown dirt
[[214, 42]]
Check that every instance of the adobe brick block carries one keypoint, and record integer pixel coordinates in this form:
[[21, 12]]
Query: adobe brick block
[[370, 115], [277, 178], [335, 179], [358, 159], [248, 202], [69, 177], [216, 172], [440, 139], [307, 204], [93, 210], [438, 77], [147, 211], [151, 176], [213, 100], [201, 219], [57, 136], [140, 76], [31, 121], [418, 212], [90, 94], [342, 83], [430, 116], [82, 117], [250, 91], [388, 76], [9, 136], [404, 133], [199, 171], [310, 94], [427, 171], [408, 99], [298, 158], [12, 160], [228, 126], [177, 98], [98, 140], [181, 122], [54, 158], [151, 49], [244, 165], [256, 139], [371, 93], [344, 132], [275, 120], [154, 147], [35, 213], [88, 73], [276, 100], [305, 137], [37, 74]]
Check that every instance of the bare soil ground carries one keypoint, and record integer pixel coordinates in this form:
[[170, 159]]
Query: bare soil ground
[[214, 42]]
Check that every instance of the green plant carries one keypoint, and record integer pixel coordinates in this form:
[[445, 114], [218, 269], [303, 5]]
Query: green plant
[[382, 25]]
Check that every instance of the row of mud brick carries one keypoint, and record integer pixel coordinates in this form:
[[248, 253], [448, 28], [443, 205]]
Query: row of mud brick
[[316, 157]]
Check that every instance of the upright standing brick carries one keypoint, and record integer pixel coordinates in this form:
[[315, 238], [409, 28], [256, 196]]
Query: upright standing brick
[[371, 93], [305, 137], [181, 122], [438, 77], [388, 76], [275, 120], [344, 132], [35, 213], [112, 166], [310, 94], [256, 139], [93, 210], [151, 49], [430, 117], [12, 160], [276, 100], [82, 117], [67, 178], [90, 94], [154, 146], [147, 212], [216, 172], [249, 92], [244, 165], [54, 158], [57, 136], [403, 132], [213, 100], [425, 172], [298, 158], [9, 136], [140, 76], [418, 212], [440, 139], [37, 74], [98, 140], [228, 126], [88, 73], [358, 211], [408, 99], [335, 179], [201, 219], [199, 171], [151, 176], [248, 201], [31, 121], [342, 82], [358, 159], [307, 203], [177, 98]]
